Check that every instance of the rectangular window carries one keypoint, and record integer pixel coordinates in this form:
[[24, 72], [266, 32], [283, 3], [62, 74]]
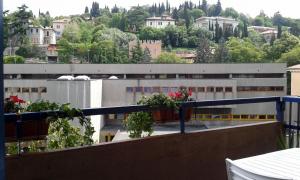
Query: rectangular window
[[156, 89], [129, 89], [6, 89], [193, 89], [139, 89], [228, 89], [165, 89], [37, 30], [201, 89], [34, 90], [25, 90], [219, 89], [16, 90], [43, 89], [150, 23], [147, 89], [210, 89]]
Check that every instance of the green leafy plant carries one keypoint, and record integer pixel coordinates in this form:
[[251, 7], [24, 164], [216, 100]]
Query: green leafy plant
[[137, 123], [157, 101], [61, 133]]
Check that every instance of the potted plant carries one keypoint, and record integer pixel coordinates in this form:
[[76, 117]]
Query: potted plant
[[58, 122], [138, 123], [165, 106], [180, 96], [168, 106]]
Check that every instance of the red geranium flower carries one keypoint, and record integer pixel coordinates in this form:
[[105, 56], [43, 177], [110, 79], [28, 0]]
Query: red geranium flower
[[16, 99]]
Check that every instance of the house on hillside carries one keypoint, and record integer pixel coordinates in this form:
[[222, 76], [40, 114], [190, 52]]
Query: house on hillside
[[266, 32], [160, 22], [59, 26], [39, 35], [209, 23]]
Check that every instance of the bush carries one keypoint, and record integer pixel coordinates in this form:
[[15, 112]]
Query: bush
[[137, 123], [14, 60], [169, 58]]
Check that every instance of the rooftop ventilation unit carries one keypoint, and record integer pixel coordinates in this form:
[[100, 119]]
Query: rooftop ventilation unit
[[82, 78], [113, 77], [66, 78]]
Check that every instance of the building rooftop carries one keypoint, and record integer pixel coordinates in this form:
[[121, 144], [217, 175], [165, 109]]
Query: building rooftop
[[215, 18], [162, 18]]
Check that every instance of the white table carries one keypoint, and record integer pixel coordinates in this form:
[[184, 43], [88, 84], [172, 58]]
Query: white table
[[280, 164]]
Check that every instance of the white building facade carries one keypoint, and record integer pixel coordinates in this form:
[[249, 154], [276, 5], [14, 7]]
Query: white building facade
[[39, 35], [59, 26], [160, 22], [209, 23], [207, 82]]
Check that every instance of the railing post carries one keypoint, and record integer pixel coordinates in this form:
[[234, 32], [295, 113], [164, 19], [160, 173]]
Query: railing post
[[280, 107], [19, 133], [181, 116], [298, 124], [2, 120]]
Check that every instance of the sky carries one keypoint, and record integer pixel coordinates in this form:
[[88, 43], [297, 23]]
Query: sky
[[288, 8]]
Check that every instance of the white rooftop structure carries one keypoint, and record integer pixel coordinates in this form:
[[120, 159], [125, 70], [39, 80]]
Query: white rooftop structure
[[210, 22], [160, 22]]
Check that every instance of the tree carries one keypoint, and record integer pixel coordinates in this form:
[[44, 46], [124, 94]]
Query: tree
[[95, 10], [279, 31], [86, 10], [245, 30], [175, 14], [259, 21], [277, 19], [283, 45], [291, 57], [136, 18], [19, 24], [137, 53], [146, 56], [196, 13], [230, 12], [243, 51], [13, 60], [221, 53], [228, 33], [204, 6], [218, 9], [204, 51], [168, 58], [115, 9], [236, 32], [186, 16]]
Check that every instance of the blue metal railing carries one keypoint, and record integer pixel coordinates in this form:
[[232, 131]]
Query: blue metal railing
[[291, 127]]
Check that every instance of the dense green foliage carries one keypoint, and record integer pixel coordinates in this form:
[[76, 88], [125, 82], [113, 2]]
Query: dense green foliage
[[101, 35], [13, 60], [137, 123], [169, 58]]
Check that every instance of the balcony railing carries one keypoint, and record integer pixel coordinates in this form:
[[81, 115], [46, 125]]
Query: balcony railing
[[291, 124]]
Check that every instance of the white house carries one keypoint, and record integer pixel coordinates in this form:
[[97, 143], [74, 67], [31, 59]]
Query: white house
[[59, 26], [39, 35], [267, 32], [160, 22], [209, 23]]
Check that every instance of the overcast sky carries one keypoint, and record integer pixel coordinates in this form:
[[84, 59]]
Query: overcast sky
[[288, 8]]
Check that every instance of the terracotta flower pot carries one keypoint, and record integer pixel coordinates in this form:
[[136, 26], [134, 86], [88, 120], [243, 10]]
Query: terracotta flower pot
[[29, 130], [170, 115]]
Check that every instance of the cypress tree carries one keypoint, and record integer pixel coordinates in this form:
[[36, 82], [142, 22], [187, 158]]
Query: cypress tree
[[279, 31], [86, 11], [204, 6], [218, 9], [236, 33], [245, 30]]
